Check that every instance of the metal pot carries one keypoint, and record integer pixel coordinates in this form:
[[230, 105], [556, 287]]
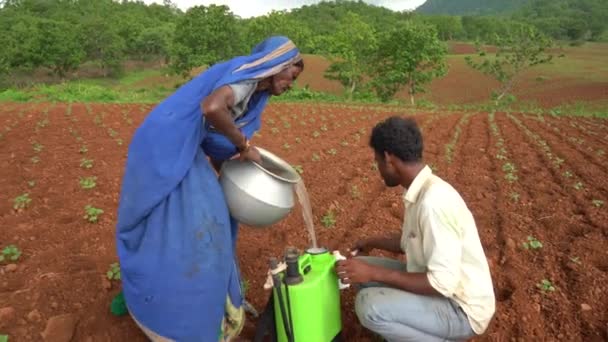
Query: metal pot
[[259, 195]]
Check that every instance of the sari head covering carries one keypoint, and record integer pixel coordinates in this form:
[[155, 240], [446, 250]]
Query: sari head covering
[[175, 237]]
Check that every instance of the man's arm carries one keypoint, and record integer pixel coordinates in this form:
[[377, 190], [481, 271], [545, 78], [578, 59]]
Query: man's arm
[[391, 243]]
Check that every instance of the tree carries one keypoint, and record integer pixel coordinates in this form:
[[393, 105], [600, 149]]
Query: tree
[[410, 55], [277, 23], [350, 49], [155, 42], [60, 46], [517, 51], [104, 44], [204, 36], [448, 27]]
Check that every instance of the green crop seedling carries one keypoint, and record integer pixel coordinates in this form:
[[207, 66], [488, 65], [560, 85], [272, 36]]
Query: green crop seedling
[[299, 169], [329, 219], [86, 163], [114, 272], [88, 182], [92, 213], [10, 253], [22, 201], [546, 286], [532, 243]]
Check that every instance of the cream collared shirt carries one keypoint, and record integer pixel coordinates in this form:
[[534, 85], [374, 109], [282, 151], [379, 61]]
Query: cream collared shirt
[[440, 238]]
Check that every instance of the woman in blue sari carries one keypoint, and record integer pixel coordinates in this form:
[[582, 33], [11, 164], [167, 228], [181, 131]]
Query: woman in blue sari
[[175, 237]]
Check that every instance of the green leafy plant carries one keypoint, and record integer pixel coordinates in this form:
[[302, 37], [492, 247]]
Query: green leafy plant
[[92, 214], [316, 157], [410, 55], [354, 191], [511, 177], [575, 260], [299, 169], [112, 133], [83, 149], [324, 128], [88, 182], [508, 167], [514, 196], [22, 201], [546, 286], [114, 272], [374, 166], [10, 253], [35, 159], [316, 134], [329, 219], [519, 49], [298, 141], [579, 186], [332, 151], [532, 243], [344, 143], [86, 163], [597, 203], [37, 147], [31, 183], [567, 174]]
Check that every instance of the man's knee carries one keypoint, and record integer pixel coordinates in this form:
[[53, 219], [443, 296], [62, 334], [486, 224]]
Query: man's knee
[[366, 308]]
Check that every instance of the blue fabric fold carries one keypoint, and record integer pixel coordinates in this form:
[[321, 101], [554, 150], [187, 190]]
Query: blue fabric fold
[[175, 237]]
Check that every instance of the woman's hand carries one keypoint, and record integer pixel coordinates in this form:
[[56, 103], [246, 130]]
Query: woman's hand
[[252, 154]]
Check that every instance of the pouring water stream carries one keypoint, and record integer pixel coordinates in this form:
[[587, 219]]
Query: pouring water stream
[[304, 200]]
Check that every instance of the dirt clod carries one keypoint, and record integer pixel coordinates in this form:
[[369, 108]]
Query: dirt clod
[[34, 316], [60, 328]]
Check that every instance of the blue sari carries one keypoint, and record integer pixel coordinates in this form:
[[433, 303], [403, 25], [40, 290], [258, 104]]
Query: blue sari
[[175, 237]]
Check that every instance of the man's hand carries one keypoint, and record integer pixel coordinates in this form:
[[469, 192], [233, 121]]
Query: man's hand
[[391, 243], [361, 247], [354, 271]]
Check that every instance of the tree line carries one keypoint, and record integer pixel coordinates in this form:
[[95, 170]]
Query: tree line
[[371, 48]]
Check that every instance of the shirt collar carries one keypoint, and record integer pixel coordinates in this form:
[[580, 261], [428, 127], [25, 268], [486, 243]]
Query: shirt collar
[[411, 195]]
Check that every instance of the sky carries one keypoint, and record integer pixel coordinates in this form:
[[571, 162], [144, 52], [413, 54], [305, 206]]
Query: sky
[[253, 8]]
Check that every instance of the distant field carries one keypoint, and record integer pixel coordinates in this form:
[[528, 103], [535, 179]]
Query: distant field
[[580, 77]]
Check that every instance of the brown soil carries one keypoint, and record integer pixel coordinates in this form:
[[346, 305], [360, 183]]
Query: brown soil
[[65, 259]]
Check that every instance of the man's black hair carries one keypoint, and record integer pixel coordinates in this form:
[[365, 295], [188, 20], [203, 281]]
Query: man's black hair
[[398, 136]]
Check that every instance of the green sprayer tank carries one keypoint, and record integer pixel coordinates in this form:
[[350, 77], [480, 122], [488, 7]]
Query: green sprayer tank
[[307, 294]]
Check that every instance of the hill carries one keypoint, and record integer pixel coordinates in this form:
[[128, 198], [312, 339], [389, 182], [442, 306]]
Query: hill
[[471, 7]]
